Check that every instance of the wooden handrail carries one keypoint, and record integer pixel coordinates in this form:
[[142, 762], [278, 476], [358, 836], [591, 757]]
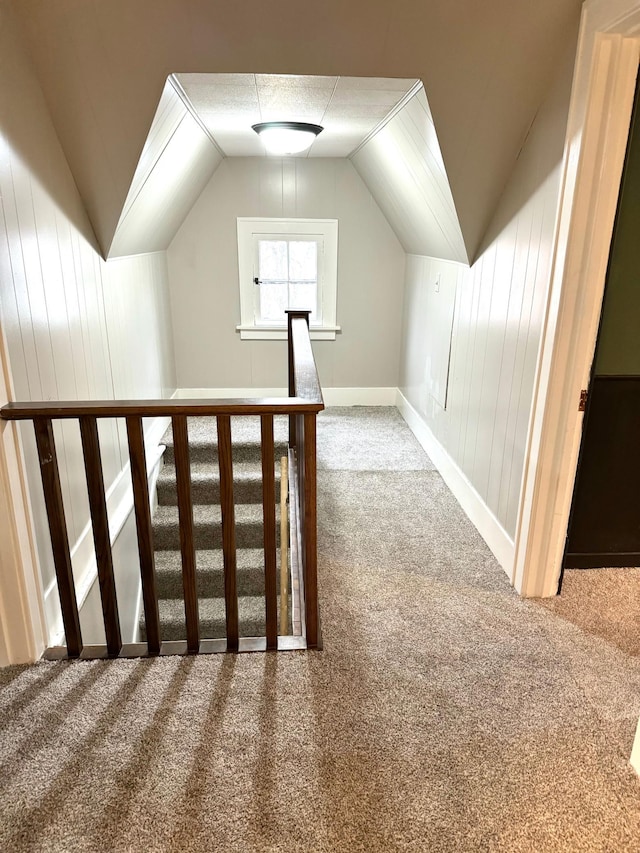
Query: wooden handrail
[[158, 408], [304, 383], [302, 406]]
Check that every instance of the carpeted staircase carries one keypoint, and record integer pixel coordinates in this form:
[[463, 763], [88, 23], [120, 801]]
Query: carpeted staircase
[[205, 491]]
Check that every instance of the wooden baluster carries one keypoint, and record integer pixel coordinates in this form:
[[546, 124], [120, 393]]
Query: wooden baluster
[[269, 529], [292, 380], [58, 530], [310, 527], [187, 546], [284, 546], [101, 537], [228, 529], [300, 472], [137, 456]]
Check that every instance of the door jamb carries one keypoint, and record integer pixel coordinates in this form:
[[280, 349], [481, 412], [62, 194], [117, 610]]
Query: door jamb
[[604, 83], [22, 623]]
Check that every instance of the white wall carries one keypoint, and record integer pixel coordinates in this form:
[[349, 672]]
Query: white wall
[[486, 66], [74, 326], [203, 271], [403, 167], [499, 308], [176, 163]]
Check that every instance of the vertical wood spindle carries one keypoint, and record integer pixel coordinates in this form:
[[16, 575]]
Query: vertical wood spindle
[[101, 537], [58, 530], [135, 435], [187, 546], [310, 527], [269, 530], [228, 529]]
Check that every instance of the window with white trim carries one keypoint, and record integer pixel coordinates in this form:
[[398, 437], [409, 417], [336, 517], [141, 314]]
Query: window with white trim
[[287, 263]]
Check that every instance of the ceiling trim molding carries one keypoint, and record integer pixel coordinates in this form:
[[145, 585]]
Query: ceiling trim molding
[[180, 92], [394, 112]]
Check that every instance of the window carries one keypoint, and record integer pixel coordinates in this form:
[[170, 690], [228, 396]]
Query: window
[[287, 263]]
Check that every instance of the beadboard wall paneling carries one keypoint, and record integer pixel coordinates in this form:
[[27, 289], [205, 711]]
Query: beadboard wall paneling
[[499, 310], [176, 163], [75, 326], [403, 168], [203, 270], [169, 113]]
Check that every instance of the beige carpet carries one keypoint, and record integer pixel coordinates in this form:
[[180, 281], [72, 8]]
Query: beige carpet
[[444, 714], [602, 602]]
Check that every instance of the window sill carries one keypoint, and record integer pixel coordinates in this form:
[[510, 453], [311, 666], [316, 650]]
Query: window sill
[[278, 333]]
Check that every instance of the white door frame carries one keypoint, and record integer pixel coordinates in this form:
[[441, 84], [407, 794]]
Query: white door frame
[[598, 128], [22, 622]]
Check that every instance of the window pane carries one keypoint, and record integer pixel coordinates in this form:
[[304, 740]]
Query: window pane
[[302, 296], [273, 301], [303, 260], [272, 259]]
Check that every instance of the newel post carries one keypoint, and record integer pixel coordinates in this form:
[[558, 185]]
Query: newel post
[[291, 316]]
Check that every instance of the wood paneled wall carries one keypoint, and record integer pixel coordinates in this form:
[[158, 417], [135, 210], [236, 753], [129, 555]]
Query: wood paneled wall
[[486, 66], [203, 267], [403, 168], [74, 326], [499, 310], [176, 163]]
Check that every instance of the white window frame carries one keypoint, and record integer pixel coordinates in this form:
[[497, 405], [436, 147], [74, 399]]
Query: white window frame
[[248, 229]]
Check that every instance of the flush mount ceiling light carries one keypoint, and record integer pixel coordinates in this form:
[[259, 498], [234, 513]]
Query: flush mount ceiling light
[[286, 137]]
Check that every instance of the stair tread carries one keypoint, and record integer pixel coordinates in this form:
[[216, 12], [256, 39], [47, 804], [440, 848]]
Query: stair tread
[[212, 618], [205, 480], [210, 559], [210, 514], [210, 607], [207, 526], [210, 471], [244, 430], [250, 580]]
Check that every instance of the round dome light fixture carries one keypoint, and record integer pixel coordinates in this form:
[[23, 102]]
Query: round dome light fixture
[[286, 137]]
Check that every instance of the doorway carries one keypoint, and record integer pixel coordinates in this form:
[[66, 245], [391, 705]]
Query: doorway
[[604, 523]]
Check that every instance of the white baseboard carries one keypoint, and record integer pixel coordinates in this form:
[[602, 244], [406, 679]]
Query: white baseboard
[[359, 396], [119, 498], [332, 396], [464, 492], [227, 393]]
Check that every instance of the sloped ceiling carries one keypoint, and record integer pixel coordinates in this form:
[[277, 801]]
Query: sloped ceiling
[[347, 108], [177, 161], [202, 118], [403, 168], [485, 66]]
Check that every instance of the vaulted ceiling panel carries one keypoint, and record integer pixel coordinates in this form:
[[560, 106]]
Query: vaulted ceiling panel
[[486, 67], [348, 108], [177, 161], [403, 168]]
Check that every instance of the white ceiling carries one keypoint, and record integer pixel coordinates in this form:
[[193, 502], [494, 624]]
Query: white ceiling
[[486, 67], [348, 108]]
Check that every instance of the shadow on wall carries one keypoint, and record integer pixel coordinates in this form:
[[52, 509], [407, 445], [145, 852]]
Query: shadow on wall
[[537, 162], [31, 142]]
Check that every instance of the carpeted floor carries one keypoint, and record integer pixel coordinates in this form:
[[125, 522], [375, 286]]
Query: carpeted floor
[[443, 715], [602, 602]]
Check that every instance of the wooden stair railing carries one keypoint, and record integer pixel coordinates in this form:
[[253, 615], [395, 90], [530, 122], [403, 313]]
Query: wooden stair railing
[[302, 406], [304, 383]]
